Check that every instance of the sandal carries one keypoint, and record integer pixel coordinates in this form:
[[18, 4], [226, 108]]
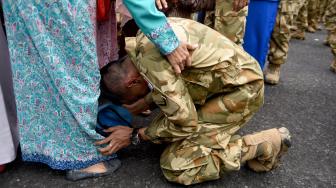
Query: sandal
[[111, 166]]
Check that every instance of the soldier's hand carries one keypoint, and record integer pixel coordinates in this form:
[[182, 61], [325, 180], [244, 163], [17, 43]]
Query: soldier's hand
[[239, 4], [161, 4], [138, 107], [181, 56], [118, 139]]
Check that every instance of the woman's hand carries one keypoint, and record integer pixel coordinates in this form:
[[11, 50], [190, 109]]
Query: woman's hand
[[239, 4], [181, 57], [119, 138], [161, 4]]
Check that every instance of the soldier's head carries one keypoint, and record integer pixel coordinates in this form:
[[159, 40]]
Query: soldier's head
[[123, 80]]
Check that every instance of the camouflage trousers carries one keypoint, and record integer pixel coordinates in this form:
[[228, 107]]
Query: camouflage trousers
[[228, 22], [330, 24], [279, 42], [313, 12], [301, 16], [322, 9], [215, 148]]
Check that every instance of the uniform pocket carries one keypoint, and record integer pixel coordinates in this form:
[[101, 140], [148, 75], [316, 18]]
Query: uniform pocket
[[169, 107], [198, 83]]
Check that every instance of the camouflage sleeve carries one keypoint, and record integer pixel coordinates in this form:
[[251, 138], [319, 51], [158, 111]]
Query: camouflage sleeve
[[179, 117]]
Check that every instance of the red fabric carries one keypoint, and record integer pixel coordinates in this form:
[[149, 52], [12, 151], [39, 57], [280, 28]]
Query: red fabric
[[103, 9], [2, 168]]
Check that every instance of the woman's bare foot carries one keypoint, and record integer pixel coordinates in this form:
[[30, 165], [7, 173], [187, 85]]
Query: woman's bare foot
[[96, 168]]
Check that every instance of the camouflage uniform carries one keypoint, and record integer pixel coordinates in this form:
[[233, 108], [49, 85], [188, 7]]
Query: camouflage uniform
[[322, 9], [330, 23], [203, 107], [228, 22], [281, 32], [301, 18], [313, 14]]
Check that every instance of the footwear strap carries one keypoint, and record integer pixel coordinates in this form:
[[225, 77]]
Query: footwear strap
[[252, 141]]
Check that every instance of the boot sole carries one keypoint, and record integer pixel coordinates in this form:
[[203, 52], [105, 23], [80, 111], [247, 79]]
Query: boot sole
[[271, 82], [286, 143], [299, 38]]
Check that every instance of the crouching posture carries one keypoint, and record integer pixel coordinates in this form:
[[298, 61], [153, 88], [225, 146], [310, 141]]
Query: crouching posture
[[201, 109]]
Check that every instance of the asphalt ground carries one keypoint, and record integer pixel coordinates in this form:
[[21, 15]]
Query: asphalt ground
[[304, 102]]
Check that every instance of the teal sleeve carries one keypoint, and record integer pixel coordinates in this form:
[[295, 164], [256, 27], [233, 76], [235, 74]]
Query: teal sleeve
[[153, 24]]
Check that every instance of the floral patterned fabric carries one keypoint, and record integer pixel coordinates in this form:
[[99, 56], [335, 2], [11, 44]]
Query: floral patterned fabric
[[164, 38], [153, 24], [56, 78]]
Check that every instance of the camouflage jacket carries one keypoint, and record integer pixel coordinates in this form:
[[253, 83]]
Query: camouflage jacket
[[218, 66]]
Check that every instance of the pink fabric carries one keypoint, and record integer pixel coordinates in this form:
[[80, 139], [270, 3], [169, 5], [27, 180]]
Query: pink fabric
[[125, 16], [120, 8], [107, 44], [106, 32]]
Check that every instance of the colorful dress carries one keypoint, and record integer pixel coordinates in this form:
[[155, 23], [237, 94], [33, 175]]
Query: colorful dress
[[52, 47]]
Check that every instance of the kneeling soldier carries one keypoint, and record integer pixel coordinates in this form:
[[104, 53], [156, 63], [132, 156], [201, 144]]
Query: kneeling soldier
[[201, 109]]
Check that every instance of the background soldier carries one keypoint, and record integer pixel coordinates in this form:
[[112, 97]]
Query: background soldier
[[280, 40], [229, 18], [225, 16], [300, 20], [313, 15], [322, 9], [330, 23]]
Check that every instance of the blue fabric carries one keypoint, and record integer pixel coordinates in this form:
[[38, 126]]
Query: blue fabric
[[260, 22], [153, 24], [201, 16], [111, 115]]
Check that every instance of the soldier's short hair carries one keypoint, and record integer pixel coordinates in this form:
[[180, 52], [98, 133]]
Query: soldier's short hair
[[112, 77]]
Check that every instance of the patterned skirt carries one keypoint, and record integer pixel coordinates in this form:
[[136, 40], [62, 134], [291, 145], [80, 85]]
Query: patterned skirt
[[52, 45]]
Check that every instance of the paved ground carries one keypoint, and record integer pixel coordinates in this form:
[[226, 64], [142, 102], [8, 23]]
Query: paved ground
[[304, 101]]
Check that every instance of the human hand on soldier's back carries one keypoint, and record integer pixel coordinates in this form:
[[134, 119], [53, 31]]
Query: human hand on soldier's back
[[181, 57], [239, 4]]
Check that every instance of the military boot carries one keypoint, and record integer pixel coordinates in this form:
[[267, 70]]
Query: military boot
[[318, 27], [262, 151], [333, 66], [311, 29], [300, 35], [326, 42], [272, 74]]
